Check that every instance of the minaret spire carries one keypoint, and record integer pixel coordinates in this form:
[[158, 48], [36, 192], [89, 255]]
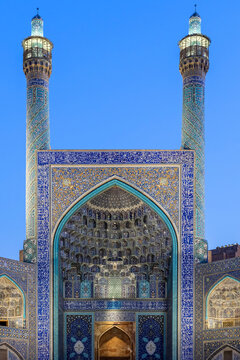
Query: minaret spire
[[37, 67], [194, 65]]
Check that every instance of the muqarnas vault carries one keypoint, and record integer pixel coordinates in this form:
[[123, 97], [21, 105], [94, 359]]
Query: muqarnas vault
[[115, 262]]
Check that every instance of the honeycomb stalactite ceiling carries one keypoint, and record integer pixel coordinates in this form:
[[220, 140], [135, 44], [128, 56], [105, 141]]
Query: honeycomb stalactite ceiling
[[114, 199], [115, 245]]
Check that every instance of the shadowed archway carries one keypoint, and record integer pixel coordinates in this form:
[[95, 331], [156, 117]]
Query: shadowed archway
[[225, 352], [6, 349], [115, 344]]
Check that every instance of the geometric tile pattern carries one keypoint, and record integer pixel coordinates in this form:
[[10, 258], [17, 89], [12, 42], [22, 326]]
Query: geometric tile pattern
[[86, 289], [79, 336], [49, 160], [150, 336], [211, 347], [22, 339], [194, 64], [144, 289], [37, 133], [206, 276], [193, 138], [155, 180], [30, 249], [37, 67]]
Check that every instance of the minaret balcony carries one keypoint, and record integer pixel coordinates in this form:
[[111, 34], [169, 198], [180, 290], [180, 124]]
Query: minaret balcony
[[37, 47]]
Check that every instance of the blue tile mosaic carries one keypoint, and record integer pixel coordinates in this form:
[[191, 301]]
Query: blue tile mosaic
[[185, 159], [79, 336], [150, 336], [208, 341], [22, 340]]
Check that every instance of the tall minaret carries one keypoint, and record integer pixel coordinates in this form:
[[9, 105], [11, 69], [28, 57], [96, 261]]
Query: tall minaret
[[194, 65], [37, 66]]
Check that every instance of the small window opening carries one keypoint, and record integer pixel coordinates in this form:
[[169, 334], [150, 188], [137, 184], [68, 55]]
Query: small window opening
[[3, 323]]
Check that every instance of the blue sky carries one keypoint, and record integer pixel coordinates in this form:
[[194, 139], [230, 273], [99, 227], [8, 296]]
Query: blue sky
[[115, 85]]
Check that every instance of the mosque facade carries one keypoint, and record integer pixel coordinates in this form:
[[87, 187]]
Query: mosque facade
[[115, 264]]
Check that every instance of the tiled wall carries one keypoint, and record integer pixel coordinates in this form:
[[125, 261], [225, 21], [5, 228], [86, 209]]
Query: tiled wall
[[100, 162], [208, 341], [22, 339]]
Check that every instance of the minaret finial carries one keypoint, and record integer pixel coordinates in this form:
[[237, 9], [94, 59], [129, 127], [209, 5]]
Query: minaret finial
[[38, 10], [195, 5]]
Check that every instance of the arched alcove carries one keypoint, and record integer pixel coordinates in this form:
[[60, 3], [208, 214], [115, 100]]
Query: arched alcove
[[115, 343], [114, 243], [226, 352], [97, 263], [7, 352], [12, 303], [223, 304]]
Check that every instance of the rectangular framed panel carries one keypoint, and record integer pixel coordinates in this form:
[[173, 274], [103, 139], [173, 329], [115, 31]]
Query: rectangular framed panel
[[78, 335], [151, 336]]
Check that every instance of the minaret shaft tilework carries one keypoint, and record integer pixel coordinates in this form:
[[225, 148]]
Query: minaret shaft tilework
[[37, 66], [194, 64]]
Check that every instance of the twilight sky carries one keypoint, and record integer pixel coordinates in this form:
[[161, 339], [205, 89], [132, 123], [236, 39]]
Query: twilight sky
[[115, 85]]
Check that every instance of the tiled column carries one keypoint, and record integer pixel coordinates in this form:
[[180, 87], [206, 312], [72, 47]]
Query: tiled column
[[37, 66], [194, 64]]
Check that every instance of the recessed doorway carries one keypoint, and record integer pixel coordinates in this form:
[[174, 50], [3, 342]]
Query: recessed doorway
[[114, 340]]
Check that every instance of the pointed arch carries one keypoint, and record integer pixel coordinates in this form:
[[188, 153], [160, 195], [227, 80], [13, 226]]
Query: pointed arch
[[115, 181], [222, 348], [212, 290], [113, 331], [215, 285], [103, 185], [20, 289], [12, 349]]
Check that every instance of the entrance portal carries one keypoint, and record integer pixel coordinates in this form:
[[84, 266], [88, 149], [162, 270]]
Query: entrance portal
[[114, 341], [120, 248]]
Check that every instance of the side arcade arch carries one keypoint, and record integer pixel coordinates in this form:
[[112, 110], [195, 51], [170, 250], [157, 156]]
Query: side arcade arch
[[225, 352], [8, 352], [55, 255], [13, 302], [223, 303]]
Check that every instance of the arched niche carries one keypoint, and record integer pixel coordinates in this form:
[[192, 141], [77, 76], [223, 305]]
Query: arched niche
[[223, 304], [12, 303], [7, 352], [129, 236], [226, 352], [97, 262], [115, 343]]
